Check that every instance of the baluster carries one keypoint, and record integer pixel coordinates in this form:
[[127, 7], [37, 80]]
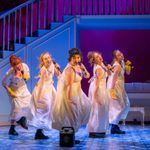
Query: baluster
[[27, 13], [20, 25], [52, 12], [69, 3], [127, 3], [92, 7], [4, 22], [146, 7], [44, 13], [95, 8], [115, 7], [31, 23], [109, 7], [47, 20], [121, 7], [38, 14], [139, 9], [56, 10], [64, 7], [15, 18], [82, 5], [88, 5], [133, 10], [98, 5], [77, 7], [103, 7], [8, 43]]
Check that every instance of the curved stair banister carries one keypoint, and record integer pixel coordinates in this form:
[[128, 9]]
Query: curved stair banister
[[12, 16], [23, 21]]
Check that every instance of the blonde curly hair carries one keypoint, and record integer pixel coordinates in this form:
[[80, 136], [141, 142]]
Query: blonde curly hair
[[41, 58]]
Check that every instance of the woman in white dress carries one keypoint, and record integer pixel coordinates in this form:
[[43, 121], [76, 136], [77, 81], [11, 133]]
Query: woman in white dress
[[119, 102], [98, 122], [15, 83], [72, 106], [43, 96]]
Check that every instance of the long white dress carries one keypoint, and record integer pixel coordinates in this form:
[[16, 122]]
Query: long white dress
[[42, 108], [118, 109], [99, 120], [20, 105], [70, 114]]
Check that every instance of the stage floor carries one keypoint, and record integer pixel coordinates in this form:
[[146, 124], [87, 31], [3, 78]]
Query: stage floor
[[136, 138]]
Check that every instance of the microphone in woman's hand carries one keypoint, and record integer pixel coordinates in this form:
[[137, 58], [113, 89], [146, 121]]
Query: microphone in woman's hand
[[82, 68], [56, 65], [80, 64], [108, 66]]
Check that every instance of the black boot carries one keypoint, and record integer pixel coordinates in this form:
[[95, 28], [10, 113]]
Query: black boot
[[23, 122], [12, 130], [40, 135], [92, 135], [97, 134], [116, 130]]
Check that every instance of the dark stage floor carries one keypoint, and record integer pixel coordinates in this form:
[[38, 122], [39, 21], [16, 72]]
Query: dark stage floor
[[136, 138]]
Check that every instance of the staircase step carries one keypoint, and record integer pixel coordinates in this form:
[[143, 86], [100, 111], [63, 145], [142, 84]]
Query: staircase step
[[42, 32], [67, 18], [18, 46], [5, 53], [55, 24], [30, 39]]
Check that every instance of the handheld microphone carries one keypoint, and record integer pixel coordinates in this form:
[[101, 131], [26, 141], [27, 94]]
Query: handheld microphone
[[106, 64], [83, 69], [56, 65]]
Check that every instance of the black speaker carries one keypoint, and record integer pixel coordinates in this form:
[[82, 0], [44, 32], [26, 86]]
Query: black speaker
[[67, 137]]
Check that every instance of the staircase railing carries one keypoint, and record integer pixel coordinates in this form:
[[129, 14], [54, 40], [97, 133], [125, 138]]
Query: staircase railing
[[24, 20], [32, 15]]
